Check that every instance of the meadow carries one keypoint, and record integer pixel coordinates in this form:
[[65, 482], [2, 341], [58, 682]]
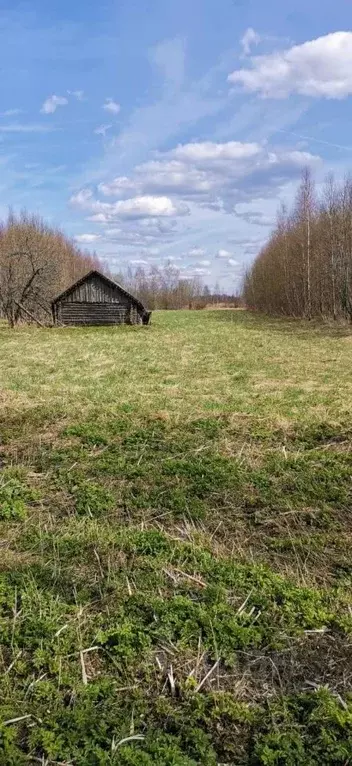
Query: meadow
[[175, 568]]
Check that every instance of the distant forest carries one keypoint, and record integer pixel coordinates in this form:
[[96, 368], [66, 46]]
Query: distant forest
[[165, 288], [305, 269]]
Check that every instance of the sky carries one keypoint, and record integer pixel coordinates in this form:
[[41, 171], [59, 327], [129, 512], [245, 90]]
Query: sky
[[156, 131]]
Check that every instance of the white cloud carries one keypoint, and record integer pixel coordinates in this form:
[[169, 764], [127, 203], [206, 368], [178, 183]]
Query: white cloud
[[223, 254], [206, 180], [196, 252], [144, 233], [87, 239], [248, 212], [157, 226], [216, 175], [179, 102], [117, 187], [147, 206], [208, 150], [139, 262], [170, 177], [51, 104], [111, 106], [78, 94], [83, 198], [102, 130], [97, 217], [233, 262], [317, 68], [136, 207], [114, 232], [249, 38]]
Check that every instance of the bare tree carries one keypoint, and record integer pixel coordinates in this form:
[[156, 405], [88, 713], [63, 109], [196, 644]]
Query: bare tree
[[36, 263], [305, 268], [161, 287]]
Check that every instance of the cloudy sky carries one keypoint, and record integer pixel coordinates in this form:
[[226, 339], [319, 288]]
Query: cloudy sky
[[156, 130]]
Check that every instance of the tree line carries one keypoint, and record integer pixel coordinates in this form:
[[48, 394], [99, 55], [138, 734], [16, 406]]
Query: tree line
[[160, 287], [37, 262], [164, 287], [305, 268]]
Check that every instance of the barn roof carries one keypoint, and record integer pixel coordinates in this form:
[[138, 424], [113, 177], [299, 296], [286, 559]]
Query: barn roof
[[109, 282]]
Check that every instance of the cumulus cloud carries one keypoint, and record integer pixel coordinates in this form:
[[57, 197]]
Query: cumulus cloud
[[317, 68], [249, 39], [144, 233], [113, 232], [87, 239], [216, 175], [223, 254], [51, 104], [111, 106], [196, 252], [204, 151], [83, 199], [96, 218], [233, 262], [117, 187], [148, 206], [145, 206], [158, 224], [169, 177]]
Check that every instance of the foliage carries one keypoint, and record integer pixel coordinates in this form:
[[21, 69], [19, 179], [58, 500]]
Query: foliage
[[14, 495]]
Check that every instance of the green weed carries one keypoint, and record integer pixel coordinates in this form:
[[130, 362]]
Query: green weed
[[175, 535]]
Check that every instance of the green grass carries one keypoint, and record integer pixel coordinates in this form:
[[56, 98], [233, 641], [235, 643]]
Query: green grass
[[175, 571]]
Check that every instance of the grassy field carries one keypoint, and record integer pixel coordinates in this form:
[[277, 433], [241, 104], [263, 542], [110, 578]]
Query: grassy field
[[175, 569]]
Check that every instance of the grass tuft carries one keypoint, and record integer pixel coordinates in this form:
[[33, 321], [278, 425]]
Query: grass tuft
[[175, 531]]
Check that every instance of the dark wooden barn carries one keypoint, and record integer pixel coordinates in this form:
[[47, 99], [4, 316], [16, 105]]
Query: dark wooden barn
[[97, 300]]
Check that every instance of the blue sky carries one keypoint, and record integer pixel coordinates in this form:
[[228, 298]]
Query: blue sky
[[156, 130]]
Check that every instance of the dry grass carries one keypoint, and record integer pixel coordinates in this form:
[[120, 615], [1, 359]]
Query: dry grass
[[175, 523]]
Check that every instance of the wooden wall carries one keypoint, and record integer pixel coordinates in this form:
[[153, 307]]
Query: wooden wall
[[92, 313], [95, 290], [95, 302]]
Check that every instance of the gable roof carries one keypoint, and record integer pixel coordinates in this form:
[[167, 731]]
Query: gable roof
[[109, 282]]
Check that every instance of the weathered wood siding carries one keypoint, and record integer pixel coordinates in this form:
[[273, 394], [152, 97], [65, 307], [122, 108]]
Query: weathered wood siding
[[96, 291], [96, 302], [92, 313]]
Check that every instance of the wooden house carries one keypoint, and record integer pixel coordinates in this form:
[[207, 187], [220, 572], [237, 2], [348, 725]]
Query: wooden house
[[97, 300]]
